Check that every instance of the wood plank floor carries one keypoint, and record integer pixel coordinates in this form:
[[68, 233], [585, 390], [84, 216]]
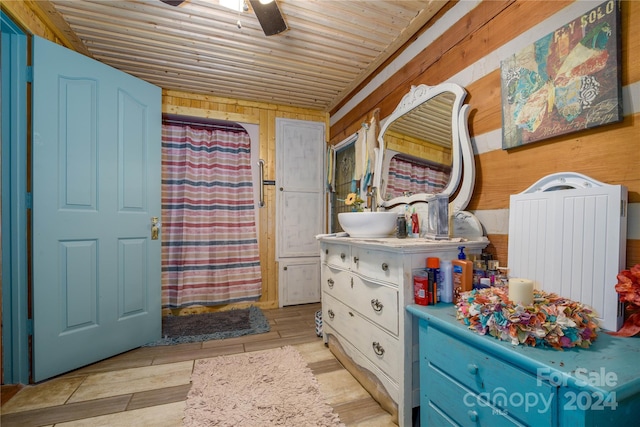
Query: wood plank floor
[[153, 393]]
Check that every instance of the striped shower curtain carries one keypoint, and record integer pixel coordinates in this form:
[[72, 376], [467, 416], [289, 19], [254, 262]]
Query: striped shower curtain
[[408, 176], [209, 240]]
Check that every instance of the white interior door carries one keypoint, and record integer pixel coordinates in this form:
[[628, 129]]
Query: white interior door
[[300, 210], [96, 185]]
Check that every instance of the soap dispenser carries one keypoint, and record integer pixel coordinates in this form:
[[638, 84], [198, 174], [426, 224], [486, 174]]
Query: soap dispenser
[[462, 272]]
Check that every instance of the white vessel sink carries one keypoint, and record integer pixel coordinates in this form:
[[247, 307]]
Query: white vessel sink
[[368, 224]]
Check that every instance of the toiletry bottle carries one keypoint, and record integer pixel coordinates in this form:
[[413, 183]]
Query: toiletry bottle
[[415, 224], [492, 271], [478, 272], [421, 287], [486, 257], [446, 281], [462, 272], [407, 219], [433, 271], [401, 226], [502, 279]]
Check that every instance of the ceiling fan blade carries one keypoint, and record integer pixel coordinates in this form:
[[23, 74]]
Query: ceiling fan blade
[[173, 2], [269, 16]]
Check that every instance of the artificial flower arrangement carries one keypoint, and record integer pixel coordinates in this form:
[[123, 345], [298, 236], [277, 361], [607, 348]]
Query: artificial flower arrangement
[[628, 287], [551, 321], [354, 201]]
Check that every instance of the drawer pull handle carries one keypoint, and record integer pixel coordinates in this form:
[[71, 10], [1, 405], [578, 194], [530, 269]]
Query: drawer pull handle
[[385, 266], [377, 348], [331, 314], [355, 259], [377, 305], [473, 415], [473, 369], [342, 256], [330, 282]]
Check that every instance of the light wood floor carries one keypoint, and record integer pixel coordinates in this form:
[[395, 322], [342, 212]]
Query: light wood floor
[[141, 387]]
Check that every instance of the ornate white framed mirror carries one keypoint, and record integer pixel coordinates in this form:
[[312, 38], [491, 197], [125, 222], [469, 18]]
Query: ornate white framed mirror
[[427, 131], [425, 154]]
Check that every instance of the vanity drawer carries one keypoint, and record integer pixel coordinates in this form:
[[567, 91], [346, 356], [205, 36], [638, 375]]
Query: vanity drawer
[[376, 345], [448, 400], [378, 303], [378, 265], [334, 279], [500, 382], [337, 255]]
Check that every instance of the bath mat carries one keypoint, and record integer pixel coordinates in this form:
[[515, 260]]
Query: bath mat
[[263, 388], [212, 326]]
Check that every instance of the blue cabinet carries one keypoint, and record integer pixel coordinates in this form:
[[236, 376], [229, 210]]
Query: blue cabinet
[[471, 380]]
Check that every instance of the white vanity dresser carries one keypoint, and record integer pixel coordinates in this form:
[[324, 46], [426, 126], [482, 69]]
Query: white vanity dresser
[[367, 280], [366, 285]]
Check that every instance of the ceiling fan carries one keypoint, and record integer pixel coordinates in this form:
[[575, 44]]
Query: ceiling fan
[[267, 12]]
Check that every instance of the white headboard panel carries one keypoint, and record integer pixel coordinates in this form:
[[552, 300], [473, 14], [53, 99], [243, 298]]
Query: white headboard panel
[[567, 233]]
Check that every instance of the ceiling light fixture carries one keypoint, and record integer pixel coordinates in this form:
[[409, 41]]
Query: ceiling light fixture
[[265, 1], [236, 5]]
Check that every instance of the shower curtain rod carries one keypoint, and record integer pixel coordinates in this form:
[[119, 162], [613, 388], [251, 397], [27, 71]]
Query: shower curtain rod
[[173, 119]]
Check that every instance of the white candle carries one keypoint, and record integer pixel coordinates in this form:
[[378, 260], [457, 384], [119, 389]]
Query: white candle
[[521, 291]]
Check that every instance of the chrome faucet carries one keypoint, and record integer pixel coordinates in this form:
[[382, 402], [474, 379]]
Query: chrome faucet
[[374, 199]]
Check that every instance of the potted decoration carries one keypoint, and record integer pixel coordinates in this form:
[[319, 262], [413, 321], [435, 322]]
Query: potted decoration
[[628, 287]]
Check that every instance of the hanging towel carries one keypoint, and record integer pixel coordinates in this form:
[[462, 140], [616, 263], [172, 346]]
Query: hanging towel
[[331, 158], [370, 145], [360, 154], [372, 139]]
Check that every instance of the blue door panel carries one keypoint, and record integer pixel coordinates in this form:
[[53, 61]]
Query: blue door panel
[[96, 185]]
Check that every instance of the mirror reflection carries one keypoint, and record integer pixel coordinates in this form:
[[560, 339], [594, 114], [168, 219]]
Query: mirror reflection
[[420, 142]]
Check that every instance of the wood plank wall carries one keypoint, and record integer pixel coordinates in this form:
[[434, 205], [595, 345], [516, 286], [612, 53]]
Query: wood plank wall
[[418, 148], [30, 16], [264, 115], [609, 153]]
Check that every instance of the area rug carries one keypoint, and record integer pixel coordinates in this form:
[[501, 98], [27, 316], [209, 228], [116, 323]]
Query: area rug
[[264, 388], [212, 326]]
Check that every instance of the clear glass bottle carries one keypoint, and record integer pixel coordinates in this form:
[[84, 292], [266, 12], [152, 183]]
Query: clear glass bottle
[[401, 226]]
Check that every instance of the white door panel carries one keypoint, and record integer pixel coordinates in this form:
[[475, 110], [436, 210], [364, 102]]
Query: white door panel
[[300, 210]]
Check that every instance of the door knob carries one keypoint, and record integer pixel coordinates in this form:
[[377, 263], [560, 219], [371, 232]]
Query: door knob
[[155, 227]]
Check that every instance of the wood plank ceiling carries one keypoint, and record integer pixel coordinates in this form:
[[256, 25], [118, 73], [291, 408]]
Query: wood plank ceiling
[[330, 48]]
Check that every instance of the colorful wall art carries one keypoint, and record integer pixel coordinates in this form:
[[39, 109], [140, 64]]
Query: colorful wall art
[[567, 81]]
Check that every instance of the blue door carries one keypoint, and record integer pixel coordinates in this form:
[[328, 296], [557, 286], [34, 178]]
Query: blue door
[[96, 187]]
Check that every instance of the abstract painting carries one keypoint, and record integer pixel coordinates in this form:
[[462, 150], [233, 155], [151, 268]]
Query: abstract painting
[[567, 81]]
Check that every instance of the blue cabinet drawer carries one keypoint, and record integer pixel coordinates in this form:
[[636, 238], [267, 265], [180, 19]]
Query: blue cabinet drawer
[[508, 388], [448, 399], [431, 415]]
